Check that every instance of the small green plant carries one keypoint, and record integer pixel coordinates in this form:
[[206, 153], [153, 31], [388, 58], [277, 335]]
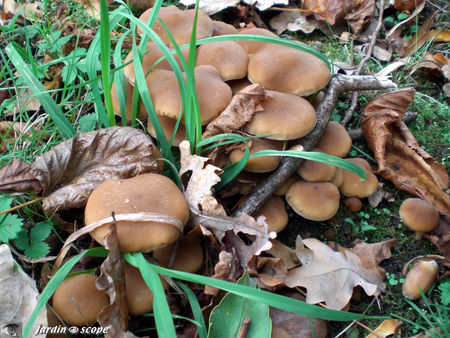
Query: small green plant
[[10, 225], [33, 243]]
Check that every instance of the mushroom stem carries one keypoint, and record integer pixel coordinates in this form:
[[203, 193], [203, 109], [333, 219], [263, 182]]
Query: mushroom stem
[[419, 235], [338, 84]]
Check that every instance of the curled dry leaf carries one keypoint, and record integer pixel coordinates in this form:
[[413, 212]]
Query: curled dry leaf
[[295, 21], [285, 253], [387, 328], [225, 269], [267, 272], [400, 158], [331, 11], [345, 269], [209, 213], [360, 16], [421, 37], [371, 255], [434, 64], [295, 324], [238, 112], [440, 236], [19, 295], [73, 169], [112, 281]]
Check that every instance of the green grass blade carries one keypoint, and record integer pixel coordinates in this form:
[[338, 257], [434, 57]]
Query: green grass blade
[[57, 279], [196, 311], [163, 317], [105, 57], [50, 106], [271, 299], [233, 170]]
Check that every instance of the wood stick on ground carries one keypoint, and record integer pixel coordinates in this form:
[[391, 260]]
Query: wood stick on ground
[[338, 84], [373, 39]]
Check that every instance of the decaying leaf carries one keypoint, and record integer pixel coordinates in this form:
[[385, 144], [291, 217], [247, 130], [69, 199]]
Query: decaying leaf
[[400, 158], [386, 328], [434, 64], [441, 35], [10, 131], [267, 272], [17, 176], [440, 236], [406, 5], [372, 254], [18, 298], [74, 168], [238, 112], [330, 10], [210, 214], [360, 16], [295, 21], [286, 254], [345, 269], [297, 325], [112, 281], [225, 269], [421, 38]]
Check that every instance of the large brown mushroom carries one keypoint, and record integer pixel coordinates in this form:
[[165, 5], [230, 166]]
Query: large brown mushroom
[[419, 215], [78, 301], [335, 140], [147, 193]]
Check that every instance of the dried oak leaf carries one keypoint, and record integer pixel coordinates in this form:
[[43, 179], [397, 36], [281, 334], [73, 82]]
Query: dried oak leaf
[[400, 158], [360, 16], [286, 254], [331, 10], [17, 176], [267, 272], [331, 276], [297, 325], [421, 38], [372, 254], [225, 269], [74, 168], [210, 214], [386, 329], [112, 281]]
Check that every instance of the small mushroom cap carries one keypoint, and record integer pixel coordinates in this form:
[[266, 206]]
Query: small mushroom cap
[[338, 178], [313, 171], [261, 164], [128, 102], [144, 193], [422, 275], [335, 140], [254, 46], [168, 125], [285, 116], [188, 258], [353, 186], [288, 70], [179, 22], [419, 215], [78, 301], [222, 28], [354, 204], [139, 296], [165, 93], [316, 201], [228, 57], [152, 54], [275, 212]]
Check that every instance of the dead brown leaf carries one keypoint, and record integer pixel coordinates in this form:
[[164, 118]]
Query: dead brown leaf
[[434, 64], [420, 38], [400, 158], [440, 236], [345, 269], [331, 10], [225, 269], [371, 255], [297, 325], [267, 272], [441, 35], [11, 131], [387, 328], [112, 281], [238, 112], [360, 16], [406, 5], [17, 176], [69, 172], [286, 254]]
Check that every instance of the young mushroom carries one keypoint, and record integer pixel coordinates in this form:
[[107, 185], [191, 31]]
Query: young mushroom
[[421, 276], [313, 171], [78, 301], [335, 140], [419, 215], [353, 186], [136, 198], [275, 213]]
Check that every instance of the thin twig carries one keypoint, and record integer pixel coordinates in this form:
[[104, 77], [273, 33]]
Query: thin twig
[[373, 39], [20, 206]]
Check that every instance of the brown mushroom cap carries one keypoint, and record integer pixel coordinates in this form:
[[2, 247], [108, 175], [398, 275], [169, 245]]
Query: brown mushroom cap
[[419, 215], [316, 201], [281, 191], [313, 171], [338, 178], [128, 102], [139, 296], [335, 140], [168, 125], [261, 164], [222, 28], [421, 277], [285, 116], [254, 46], [353, 186], [275, 212], [287, 70], [354, 204], [189, 254], [78, 301], [179, 23], [228, 57], [165, 93], [151, 193]]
